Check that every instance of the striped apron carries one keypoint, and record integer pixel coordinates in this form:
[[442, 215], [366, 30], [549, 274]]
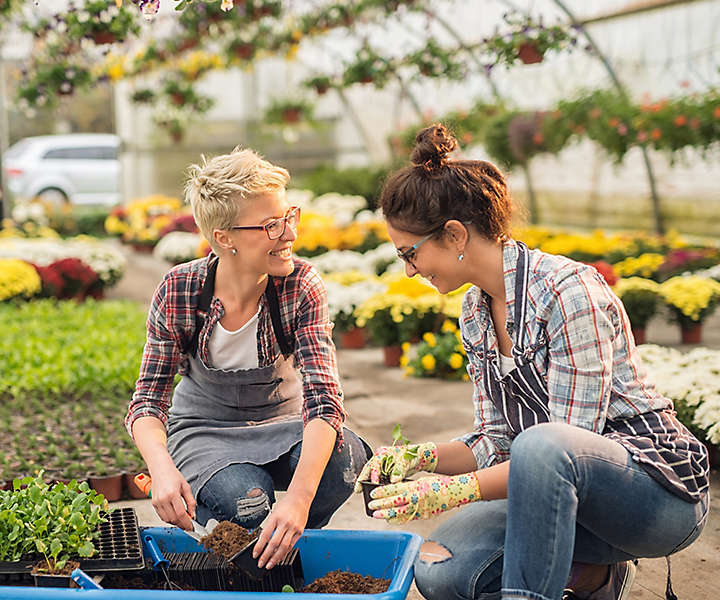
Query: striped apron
[[656, 440]]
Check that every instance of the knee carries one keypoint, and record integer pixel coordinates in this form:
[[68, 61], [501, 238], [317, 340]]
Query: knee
[[545, 440], [251, 509], [431, 573]]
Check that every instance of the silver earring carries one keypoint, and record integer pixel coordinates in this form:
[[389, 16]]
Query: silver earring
[[234, 252], [461, 256]]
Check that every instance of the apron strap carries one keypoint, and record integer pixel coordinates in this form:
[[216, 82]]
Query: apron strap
[[274, 304], [206, 295], [204, 306]]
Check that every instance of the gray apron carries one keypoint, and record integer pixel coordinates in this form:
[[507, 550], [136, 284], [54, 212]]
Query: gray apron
[[222, 417]]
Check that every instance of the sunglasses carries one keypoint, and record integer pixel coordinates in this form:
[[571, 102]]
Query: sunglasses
[[276, 228]]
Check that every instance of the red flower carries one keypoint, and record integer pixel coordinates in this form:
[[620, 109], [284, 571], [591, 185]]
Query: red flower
[[52, 281], [181, 223], [642, 136], [613, 122], [605, 269], [538, 138], [655, 134], [680, 120], [77, 277], [694, 123]]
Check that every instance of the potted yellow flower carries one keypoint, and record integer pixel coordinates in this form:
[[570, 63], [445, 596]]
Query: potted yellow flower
[[690, 299], [640, 297], [437, 355]]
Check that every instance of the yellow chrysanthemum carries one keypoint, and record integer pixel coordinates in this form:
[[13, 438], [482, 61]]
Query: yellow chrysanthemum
[[456, 361], [428, 362], [18, 279], [429, 339], [448, 327]]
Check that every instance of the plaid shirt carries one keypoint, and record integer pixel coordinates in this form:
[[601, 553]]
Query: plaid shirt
[[577, 332], [305, 318]]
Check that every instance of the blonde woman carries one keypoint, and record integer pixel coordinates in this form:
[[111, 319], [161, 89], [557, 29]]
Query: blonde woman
[[259, 407]]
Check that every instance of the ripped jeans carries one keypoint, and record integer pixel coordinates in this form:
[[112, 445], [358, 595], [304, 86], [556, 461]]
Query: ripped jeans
[[225, 495], [573, 495]]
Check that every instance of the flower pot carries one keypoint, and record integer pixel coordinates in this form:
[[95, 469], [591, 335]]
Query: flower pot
[[392, 355], [133, 491], [368, 487], [321, 89], [353, 339], [529, 54], [291, 115], [142, 248], [177, 99], [244, 51], [111, 487], [639, 335], [55, 581], [103, 37], [691, 334]]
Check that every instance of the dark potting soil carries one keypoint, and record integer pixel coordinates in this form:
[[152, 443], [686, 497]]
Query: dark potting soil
[[347, 582], [227, 539], [42, 568]]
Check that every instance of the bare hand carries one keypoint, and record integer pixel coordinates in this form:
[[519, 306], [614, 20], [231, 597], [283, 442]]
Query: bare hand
[[282, 528], [171, 494]]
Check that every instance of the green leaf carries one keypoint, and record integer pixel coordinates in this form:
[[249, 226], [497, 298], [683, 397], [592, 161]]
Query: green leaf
[[86, 549]]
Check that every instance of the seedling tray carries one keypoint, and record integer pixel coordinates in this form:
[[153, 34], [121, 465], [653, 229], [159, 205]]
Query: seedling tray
[[387, 554], [118, 549]]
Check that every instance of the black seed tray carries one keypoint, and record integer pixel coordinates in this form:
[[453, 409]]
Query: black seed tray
[[118, 549], [206, 571]]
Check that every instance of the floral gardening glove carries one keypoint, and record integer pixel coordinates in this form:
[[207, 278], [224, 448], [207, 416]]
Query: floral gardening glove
[[423, 498], [402, 461]]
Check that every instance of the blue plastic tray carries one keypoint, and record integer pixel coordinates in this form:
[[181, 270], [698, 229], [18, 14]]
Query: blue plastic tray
[[386, 554]]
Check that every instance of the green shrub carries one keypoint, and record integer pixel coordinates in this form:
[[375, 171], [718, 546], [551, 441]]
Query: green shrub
[[356, 181]]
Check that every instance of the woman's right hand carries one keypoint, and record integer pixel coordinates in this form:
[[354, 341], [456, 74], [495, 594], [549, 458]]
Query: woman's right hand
[[171, 494]]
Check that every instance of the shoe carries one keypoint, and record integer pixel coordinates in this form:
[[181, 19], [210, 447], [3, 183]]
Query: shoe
[[617, 587]]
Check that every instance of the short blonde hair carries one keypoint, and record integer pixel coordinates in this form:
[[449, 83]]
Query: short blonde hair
[[217, 188]]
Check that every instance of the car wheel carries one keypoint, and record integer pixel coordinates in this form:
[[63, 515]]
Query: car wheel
[[52, 197]]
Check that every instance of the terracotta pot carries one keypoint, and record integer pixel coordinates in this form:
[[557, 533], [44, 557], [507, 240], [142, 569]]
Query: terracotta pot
[[692, 334], [244, 51], [392, 355], [111, 487], [142, 248], [291, 115], [529, 54], [104, 37], [133, 491], [321, 89], [353, 339], [639, 335], [177, 99]]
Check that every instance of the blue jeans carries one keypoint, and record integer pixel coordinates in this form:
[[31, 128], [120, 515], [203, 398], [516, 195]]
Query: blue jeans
[[225, 495], [573, 495]]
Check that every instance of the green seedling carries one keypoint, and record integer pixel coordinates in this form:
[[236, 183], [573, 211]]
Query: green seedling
[[58, 521], [387, 463], [287, 589]]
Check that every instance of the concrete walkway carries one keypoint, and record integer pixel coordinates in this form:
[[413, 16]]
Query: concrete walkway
[[377, 398]]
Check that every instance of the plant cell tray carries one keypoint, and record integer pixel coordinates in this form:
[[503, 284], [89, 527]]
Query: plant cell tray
[[383, 554], [118, 549]]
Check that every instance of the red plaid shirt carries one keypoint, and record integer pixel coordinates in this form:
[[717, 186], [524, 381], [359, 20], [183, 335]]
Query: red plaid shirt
[[305, 318]]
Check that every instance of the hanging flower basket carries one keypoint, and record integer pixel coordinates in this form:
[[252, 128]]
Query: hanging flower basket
[[529, 54], [103, 37], [291, 115], [244, 51]]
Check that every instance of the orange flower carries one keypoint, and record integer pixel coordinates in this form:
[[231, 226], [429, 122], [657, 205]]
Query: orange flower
[[595, 113], [655, 134], [716, 112], [538, 138], [614, 122], [680, 120]]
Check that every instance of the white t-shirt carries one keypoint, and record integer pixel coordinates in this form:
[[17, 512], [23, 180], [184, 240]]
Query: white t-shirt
[[231, 350], [507, 364]]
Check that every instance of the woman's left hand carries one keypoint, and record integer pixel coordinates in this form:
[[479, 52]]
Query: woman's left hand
[[282, 528], [423, 498]]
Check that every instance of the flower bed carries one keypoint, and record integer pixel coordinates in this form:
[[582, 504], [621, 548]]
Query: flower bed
[[143, 221], [63, 396], [109, 264], [692, 382]]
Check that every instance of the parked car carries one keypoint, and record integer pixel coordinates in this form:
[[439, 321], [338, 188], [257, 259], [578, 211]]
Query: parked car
[[59, 169]]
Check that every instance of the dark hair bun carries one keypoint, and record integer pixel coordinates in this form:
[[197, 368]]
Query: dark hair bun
[[432, 146]]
